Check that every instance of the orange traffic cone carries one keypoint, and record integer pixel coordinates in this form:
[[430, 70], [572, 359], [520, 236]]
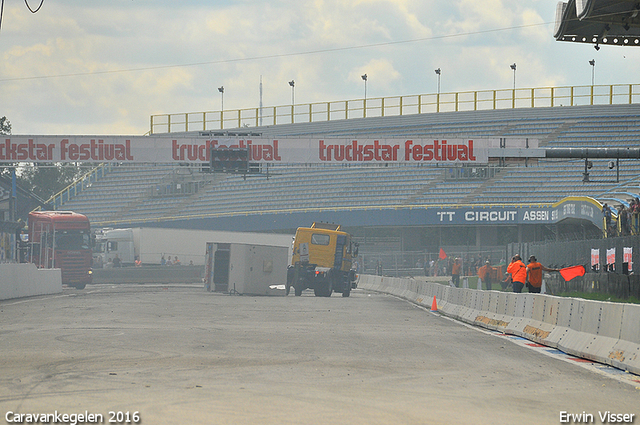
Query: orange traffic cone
[[434, 304]]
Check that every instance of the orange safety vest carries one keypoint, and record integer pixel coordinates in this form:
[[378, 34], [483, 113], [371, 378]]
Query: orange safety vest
[[483, 272], [455, 269], [518, 271], [535, 274]]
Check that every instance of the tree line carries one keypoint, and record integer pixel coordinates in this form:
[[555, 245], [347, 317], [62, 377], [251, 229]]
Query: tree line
[[42, 179]]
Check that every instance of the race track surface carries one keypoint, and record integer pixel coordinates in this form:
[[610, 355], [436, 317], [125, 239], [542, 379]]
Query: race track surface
[[180, 355]]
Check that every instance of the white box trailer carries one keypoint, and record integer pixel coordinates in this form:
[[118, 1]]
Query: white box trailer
[[246, 269], [150, 244]]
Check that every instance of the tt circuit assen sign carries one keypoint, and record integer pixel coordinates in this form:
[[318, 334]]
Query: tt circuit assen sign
[[582, 208], [143, 149]]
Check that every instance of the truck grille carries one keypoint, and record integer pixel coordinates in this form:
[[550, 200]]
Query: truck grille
[[74, 266]]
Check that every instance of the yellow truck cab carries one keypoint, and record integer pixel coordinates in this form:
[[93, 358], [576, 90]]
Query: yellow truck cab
[[322, 259]]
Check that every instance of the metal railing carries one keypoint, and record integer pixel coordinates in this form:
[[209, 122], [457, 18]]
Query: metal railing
[[81, 183], [397, 105]]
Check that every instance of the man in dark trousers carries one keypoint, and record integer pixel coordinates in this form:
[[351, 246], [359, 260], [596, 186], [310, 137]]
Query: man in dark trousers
[[518, 272], [485, 274]]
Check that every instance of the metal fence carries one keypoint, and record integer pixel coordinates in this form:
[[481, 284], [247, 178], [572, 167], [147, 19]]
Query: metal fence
[[619, 285], [570, 253], [614, 276], [419, 263], [397, 105]]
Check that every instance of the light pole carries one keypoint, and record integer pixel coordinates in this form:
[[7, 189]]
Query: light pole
[[364, 77], [513, 66], [292, 83], [513, 100], [592, 62], [221, 90], [438, 72], [364, 104]]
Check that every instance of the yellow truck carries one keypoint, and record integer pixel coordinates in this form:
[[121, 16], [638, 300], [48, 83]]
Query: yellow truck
[[322, 260]]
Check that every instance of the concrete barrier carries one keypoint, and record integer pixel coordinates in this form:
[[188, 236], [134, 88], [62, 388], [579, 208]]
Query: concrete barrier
[[26, 280], [600, 331], [149, 274]]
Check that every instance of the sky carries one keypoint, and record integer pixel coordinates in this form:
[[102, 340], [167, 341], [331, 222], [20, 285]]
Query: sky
[[104, 67]]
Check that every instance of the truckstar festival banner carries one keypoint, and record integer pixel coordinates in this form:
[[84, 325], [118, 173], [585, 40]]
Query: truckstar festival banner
[[143, 149]]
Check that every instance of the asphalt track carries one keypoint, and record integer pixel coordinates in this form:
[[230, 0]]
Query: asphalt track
[[179, 355]]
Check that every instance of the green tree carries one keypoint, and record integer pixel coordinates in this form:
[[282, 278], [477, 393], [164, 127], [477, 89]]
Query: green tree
[[42, 179], [45, 180], [5, 126]]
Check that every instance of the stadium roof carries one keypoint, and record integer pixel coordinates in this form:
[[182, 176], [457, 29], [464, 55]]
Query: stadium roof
[[599, 22]]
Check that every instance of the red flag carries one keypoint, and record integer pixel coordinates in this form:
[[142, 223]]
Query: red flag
[[569, 273], [442, 255]]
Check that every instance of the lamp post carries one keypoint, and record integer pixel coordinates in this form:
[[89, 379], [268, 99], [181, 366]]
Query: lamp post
[[364, 77], [364, 105], [221, 90], [513, 100], [438, 72], [292, 83], [513, 66], [592, 62]]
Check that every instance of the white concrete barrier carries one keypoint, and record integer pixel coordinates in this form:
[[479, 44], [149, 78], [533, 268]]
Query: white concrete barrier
[[25, 280], [601, 331]]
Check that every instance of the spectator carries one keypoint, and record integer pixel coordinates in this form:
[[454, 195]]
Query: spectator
[[137, 262], [116, 262], [379, 268], [518, 272], [169, 262], [163, 261], [534, 274], [455, 272], [176, 262], [485, 274]]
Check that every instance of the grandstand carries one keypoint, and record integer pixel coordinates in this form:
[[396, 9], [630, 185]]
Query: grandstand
[[407, 200], [162, 193]]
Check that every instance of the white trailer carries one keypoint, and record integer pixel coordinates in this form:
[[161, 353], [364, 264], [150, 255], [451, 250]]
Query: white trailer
[[114, 242], [151, 244], [246, 269]]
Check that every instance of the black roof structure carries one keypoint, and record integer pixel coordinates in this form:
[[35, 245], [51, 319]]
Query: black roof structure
[[599, 22]]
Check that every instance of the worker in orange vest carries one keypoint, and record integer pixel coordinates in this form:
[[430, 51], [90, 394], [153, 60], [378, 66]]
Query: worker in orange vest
[[484, 273], [518, 272], [534, 273], [455, 272]]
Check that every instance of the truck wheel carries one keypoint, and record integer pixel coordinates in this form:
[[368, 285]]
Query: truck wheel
[[288, 285], [347, 291], [80, 285], [298, 289]]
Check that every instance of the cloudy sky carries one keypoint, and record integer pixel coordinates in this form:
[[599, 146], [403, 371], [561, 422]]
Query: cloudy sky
[[103, 67]]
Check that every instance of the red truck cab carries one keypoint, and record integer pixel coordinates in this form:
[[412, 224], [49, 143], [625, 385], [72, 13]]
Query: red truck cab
[[62, 239]]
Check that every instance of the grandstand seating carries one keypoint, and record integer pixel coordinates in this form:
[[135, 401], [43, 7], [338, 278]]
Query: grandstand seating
[[130, 194]]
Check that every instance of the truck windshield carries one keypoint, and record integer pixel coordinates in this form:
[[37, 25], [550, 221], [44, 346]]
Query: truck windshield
[[72, 239], [98, 247], [319, 239]]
